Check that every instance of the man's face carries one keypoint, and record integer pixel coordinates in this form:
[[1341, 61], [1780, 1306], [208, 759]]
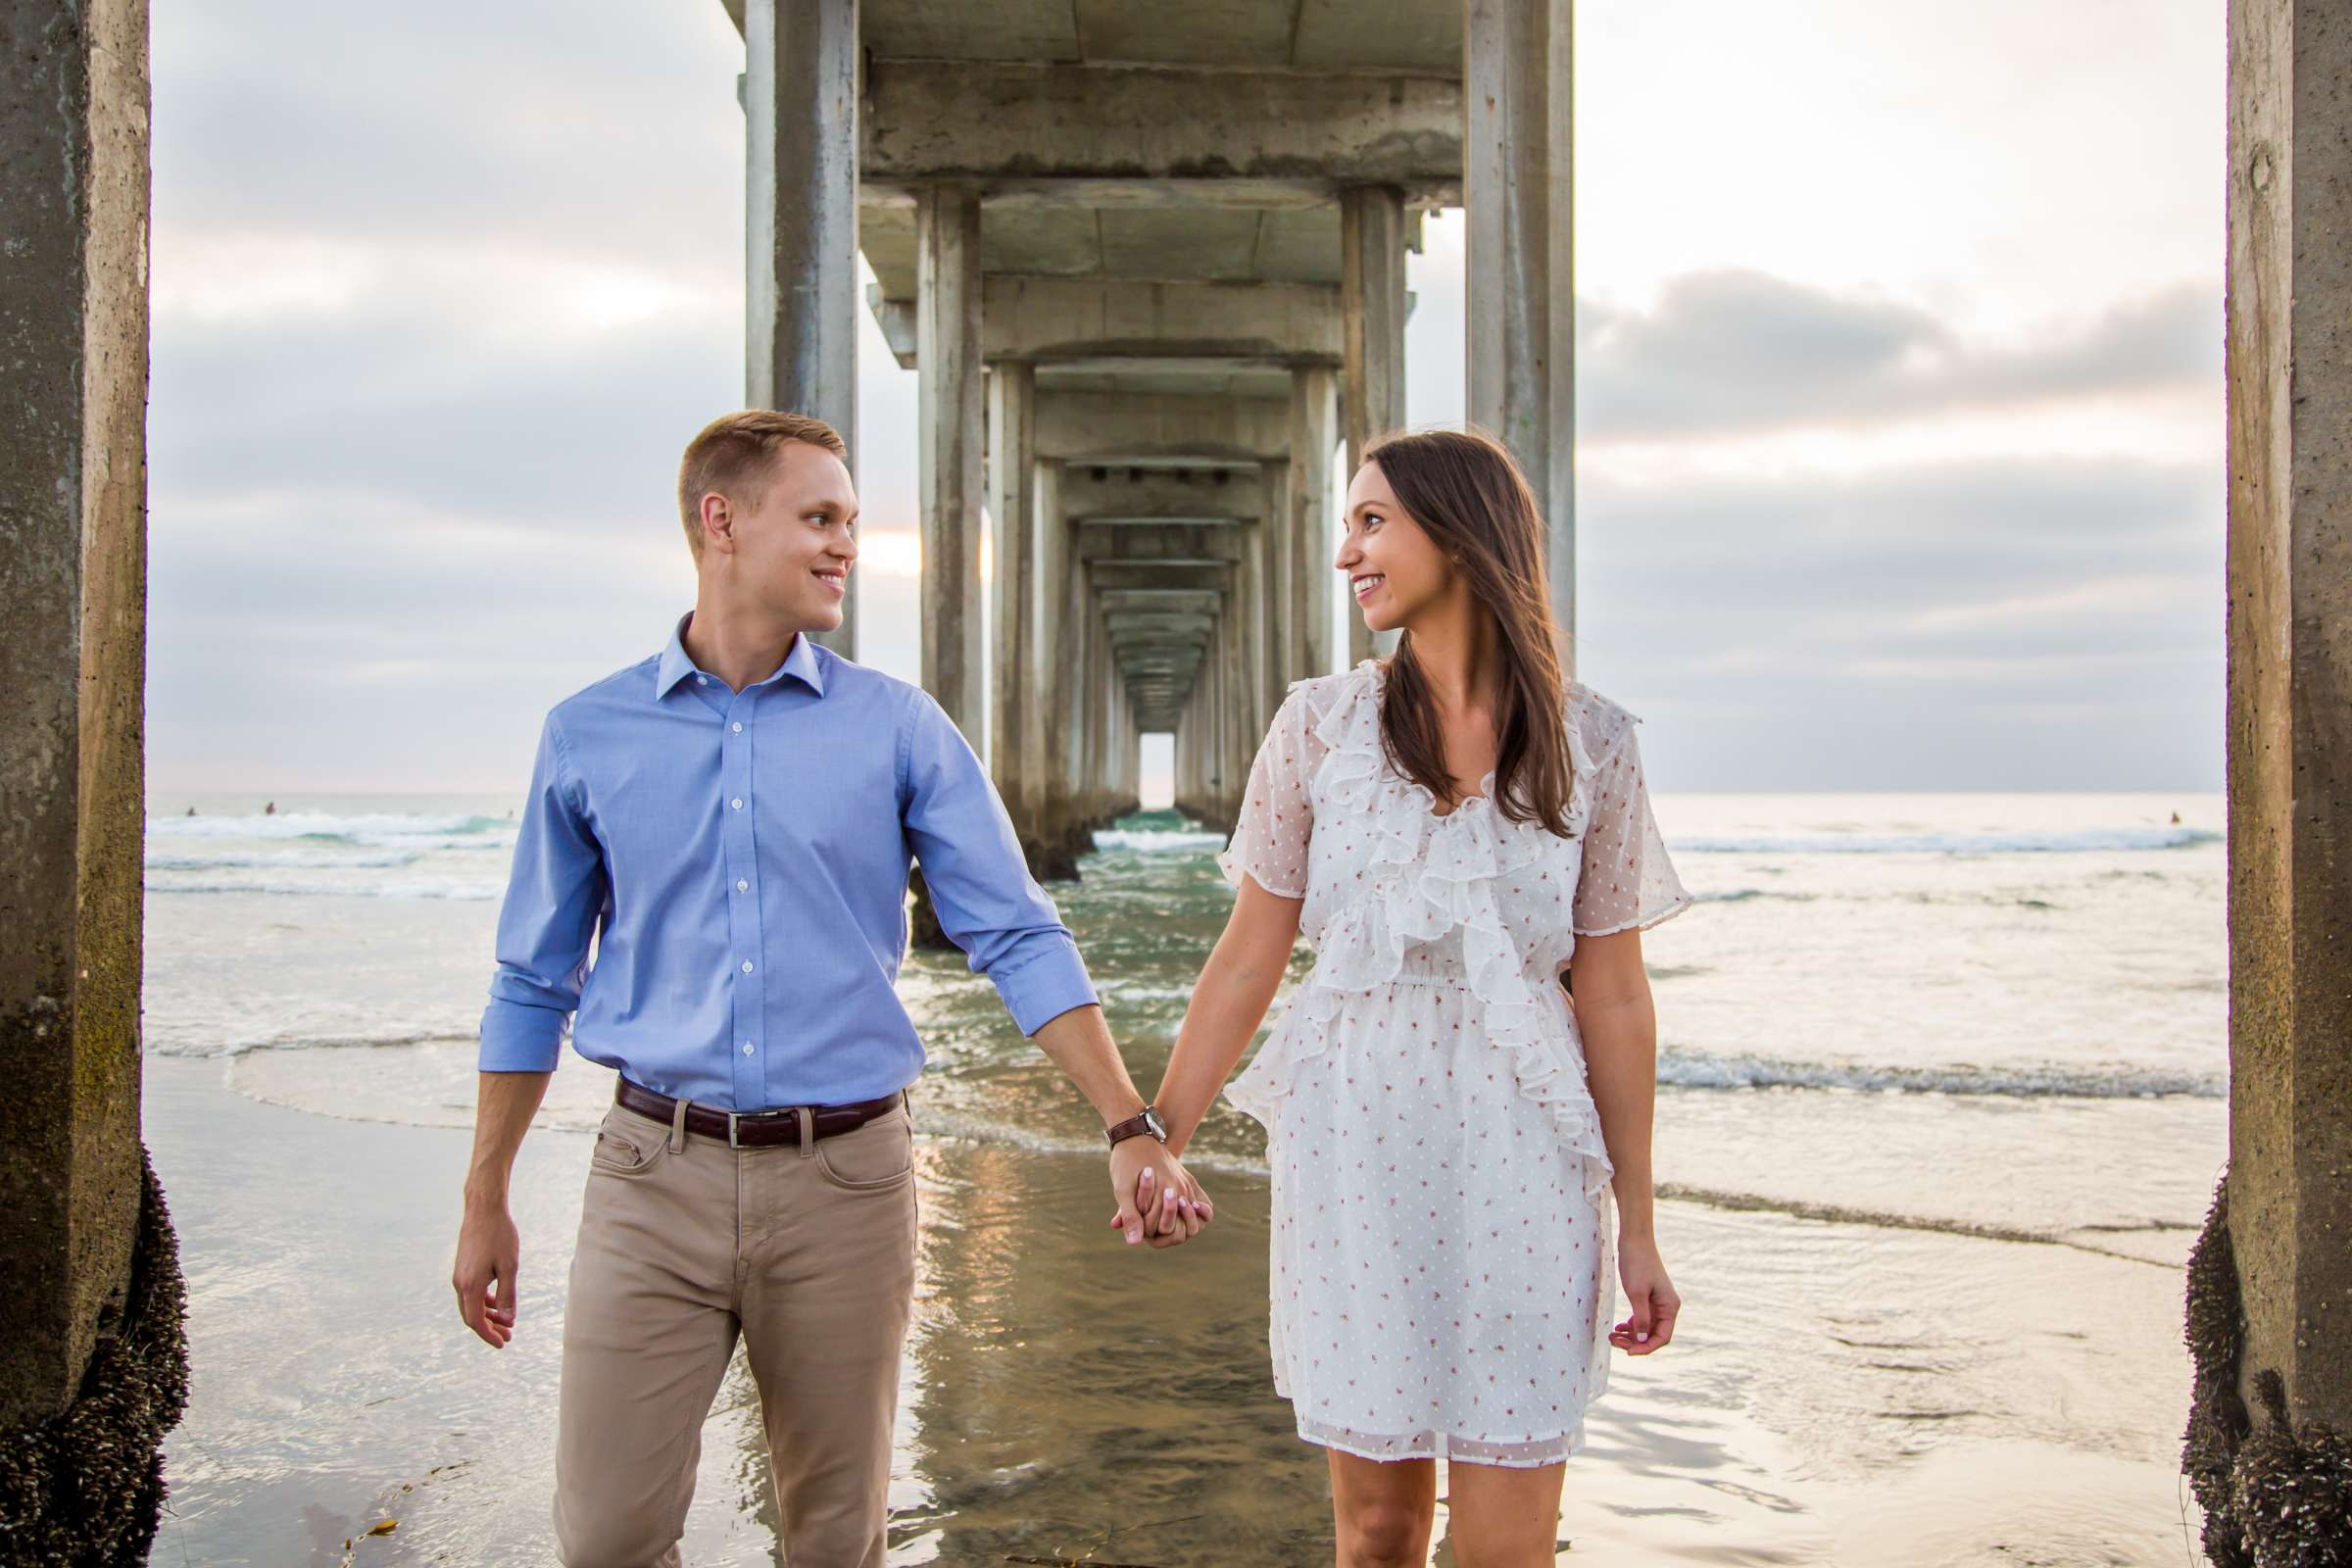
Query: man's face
[[792, 551]]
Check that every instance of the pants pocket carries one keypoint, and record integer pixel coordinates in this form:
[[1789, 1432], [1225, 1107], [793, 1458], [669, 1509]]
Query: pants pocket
[[877, 1156], [627, 1144]]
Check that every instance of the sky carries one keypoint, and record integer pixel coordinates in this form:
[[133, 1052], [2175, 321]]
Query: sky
[[1900, 384]]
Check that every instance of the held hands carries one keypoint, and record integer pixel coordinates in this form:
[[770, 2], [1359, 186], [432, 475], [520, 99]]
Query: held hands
[[1649, 1293], [1158, 1200]]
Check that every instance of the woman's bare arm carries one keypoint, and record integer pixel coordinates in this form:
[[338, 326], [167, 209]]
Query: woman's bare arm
[[1229, 1001], [1619, 1024]]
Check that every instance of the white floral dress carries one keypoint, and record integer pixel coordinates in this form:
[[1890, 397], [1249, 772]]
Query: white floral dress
[[1442, 1253]]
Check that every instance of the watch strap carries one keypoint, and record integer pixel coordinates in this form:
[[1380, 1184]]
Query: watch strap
[[1135, 1126]]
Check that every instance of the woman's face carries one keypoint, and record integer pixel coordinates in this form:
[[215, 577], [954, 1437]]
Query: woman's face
[[1394, 571]]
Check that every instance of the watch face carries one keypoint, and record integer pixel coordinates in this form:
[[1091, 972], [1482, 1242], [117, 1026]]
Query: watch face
[[1160, 1128]]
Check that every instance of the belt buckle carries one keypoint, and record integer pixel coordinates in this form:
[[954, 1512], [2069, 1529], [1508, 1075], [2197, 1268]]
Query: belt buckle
[[734, 1117]]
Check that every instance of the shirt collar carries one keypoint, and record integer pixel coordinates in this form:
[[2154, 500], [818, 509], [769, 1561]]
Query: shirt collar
[[676, 664]]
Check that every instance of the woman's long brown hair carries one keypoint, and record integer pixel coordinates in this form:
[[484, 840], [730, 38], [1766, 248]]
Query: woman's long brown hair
[[1464, 491]]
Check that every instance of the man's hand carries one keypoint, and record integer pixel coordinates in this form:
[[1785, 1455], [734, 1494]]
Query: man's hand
[[489, 1251], [488, 1247], [1159, 1203]]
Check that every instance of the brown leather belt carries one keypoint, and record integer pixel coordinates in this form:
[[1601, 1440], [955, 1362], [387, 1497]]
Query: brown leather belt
[[754, 1129]]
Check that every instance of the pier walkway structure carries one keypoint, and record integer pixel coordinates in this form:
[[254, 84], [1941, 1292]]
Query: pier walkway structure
[[1150, 267]]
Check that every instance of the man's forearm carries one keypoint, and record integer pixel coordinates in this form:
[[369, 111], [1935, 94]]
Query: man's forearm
[[1080, 1044], [503, 1107]]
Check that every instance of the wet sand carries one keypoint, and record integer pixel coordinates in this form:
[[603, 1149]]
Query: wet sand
[[1839, 1393]]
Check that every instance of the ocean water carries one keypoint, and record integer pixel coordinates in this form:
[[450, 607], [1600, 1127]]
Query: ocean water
[[1968, 1009], [1933, 1070]]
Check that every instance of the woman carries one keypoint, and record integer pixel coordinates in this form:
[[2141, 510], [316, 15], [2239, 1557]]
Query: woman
[[1453, 830]]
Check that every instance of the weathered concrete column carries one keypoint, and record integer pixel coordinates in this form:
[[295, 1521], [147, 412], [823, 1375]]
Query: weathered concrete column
[[1098, 678], [1048, 682], [1187, 755], [1250, 614], [94, 1370], [1212, 727], [1012, 507], [1131, 757], [800, 103], [1226, 662], [1085, 709], [949, 446], [1307, 607], [1274, 546], [1122, 747], [2270, 1298], [1070, 712], [1518, 163], [1372, 310], [1114, 734], [1241, 731]]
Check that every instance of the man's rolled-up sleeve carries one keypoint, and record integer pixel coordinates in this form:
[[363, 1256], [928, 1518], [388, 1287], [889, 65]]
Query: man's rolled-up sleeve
[[556, 894], [988, 903]]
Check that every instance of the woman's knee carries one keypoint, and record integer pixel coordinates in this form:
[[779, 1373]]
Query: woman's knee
[[1379, 1534]]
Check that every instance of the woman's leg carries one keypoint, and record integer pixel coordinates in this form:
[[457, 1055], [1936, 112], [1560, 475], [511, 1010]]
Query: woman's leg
[[1498, 1516], [1382, 1509]]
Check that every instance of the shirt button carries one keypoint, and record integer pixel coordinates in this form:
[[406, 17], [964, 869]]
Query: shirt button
[[738, 802], [747, 1047], [701, 680], [742, 885], [739, 726], [747, 967]]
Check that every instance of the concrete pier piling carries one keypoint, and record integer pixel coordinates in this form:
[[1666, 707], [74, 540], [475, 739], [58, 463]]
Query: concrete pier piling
[[2269, 1442], [95, 1365]]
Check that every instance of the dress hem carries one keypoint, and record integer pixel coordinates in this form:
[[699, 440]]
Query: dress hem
[[1439, 1448]]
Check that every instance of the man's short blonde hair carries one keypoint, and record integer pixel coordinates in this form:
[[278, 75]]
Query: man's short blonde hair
[[735, 455]]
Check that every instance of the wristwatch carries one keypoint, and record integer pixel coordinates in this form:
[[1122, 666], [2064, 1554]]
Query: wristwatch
[[1144, 1121]]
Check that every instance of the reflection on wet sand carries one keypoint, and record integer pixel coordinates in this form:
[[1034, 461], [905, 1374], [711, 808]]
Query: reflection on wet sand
[[1071, 1396]]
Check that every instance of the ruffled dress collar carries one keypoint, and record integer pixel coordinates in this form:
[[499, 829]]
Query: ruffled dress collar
[[1427, 877]]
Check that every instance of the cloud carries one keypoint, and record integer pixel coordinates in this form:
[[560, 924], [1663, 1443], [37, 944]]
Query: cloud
[[440, 291], [2041, 625], [1736, 350]]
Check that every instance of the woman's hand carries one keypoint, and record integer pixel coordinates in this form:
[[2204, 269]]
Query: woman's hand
[[1159, 1203], [1651, 1326]]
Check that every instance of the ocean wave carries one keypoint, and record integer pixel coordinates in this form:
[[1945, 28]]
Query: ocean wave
[[1156, 841], [380, 829], [455, 892], [2072, 841], [278, 860], [214, 1046], [490, 838], [1887, 1219], [1693, 1069]]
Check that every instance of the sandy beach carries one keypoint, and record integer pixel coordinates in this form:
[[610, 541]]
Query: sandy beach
[[1940, 1110], [1063, 1395]]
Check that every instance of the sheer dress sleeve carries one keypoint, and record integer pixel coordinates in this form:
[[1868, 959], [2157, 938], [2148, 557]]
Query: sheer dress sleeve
[[1627, 882], [1278, 817]]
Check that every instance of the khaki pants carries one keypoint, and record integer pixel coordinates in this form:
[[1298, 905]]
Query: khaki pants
[[806, 1252]]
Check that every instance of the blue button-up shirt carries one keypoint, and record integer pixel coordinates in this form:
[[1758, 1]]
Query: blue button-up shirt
[[741, 859]]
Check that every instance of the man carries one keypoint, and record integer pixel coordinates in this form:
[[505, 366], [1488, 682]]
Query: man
[[732, 820]]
